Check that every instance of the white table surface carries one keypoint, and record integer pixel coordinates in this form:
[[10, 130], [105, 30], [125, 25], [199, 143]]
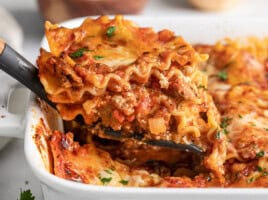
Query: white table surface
[[14, 171]]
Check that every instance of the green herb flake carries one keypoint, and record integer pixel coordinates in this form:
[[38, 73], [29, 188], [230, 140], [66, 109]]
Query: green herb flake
[[266, 129], [105, 180], [225, 131], [123, 182], [225, 122], [265, 173], [222, 75], [98, 57], [259, 169], [110, 31], [108, 171], [26, 195], [260, 154], [218, 135], [240, 116], [252, 179], [78, 53], [201, 87]]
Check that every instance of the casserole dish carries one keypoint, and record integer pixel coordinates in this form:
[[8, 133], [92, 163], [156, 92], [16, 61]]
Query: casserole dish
[[194, 31]]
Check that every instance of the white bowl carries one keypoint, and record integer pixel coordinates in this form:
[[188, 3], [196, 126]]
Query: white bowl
[[193, 30]]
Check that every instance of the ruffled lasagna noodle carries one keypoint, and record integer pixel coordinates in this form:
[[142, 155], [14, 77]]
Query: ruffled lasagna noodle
[[154, 85], [129, 79], [237, 79]]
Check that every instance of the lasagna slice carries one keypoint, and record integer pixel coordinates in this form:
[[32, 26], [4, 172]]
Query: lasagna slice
[[137, 83], [128, 79]]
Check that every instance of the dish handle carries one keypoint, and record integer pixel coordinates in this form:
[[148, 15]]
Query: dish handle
[[12, 113]]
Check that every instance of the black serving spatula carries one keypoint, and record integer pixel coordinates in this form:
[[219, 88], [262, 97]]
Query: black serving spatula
[[26, 73], [22, 70]]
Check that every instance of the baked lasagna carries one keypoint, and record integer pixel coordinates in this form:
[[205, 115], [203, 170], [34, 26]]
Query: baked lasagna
[[111, 76]]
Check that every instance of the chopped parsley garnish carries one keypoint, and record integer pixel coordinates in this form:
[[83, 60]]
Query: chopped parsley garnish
[[108, 171], [26, 195], [123, 182], [240, 116], [105, 180], [110, 31], [78, 53], [265, 173], [260, 154], [201, 87], [259, 169], [98, 57], [218, 135], [266, 129], [222, 75], [224, 123], [225, 131], [252, 179]]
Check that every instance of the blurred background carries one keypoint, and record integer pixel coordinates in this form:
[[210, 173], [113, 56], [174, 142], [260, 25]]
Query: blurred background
[[28, 15], [21, 25]]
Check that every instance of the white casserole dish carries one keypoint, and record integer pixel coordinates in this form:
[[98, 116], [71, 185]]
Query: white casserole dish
[[193, 30]]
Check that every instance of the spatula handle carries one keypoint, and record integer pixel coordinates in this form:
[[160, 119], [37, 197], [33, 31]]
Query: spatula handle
[[22, 70]]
